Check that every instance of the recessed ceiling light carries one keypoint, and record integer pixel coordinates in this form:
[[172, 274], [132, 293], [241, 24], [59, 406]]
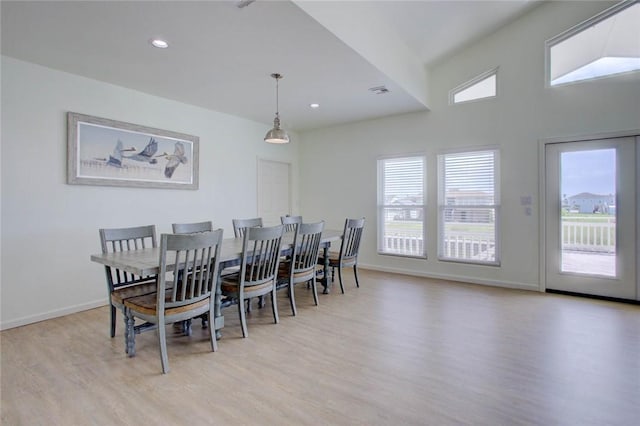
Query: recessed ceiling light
[[160, 44], [314, 105]]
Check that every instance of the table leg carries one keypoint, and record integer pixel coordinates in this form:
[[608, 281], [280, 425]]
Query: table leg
[[130, 335], [219, 319]]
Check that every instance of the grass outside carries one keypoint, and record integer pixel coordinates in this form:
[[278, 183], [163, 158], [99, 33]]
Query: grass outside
[[588, 217]]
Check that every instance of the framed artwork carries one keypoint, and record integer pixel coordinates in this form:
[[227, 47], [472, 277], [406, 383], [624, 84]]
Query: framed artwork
[[114, 153]]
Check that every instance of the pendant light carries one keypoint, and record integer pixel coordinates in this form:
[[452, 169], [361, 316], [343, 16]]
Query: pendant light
[[276, 135]]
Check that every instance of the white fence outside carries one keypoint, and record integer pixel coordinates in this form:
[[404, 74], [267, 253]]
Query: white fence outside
[[469, 247], [404, 245], [456, 247], [594, 237]]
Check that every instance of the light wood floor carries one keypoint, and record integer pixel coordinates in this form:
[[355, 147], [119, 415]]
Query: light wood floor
[[398, 351]]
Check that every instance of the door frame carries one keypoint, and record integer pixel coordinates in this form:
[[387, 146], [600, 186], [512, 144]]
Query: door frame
[[542, 184], [259, 162]]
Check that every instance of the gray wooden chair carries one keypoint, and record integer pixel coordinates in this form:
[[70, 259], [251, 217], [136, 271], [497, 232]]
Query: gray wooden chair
[[241, 225], [190, 228], [349, 248], [239, 228], [122, 285], [301, 266], [258, 271], [197, 257], [290, 222]]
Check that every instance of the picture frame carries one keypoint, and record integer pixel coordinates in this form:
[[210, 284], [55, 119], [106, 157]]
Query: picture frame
[[107, 152]]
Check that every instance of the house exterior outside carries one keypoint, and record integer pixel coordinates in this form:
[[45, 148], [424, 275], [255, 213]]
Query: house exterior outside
[[586, 202]]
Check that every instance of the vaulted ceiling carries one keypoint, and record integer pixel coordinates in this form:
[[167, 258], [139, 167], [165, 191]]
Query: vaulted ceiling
[[221, 55]]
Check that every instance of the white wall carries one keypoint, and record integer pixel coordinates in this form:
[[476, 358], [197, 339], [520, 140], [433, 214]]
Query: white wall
[[344, 158], [49, 228]]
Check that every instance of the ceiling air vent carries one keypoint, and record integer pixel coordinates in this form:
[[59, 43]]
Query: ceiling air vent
[[379, 90], [244, 3]]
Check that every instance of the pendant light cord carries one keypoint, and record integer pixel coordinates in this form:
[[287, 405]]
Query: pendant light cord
[[277, 97]]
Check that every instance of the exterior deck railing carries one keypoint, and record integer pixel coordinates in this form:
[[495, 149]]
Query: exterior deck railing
[[583, 236], [598, 237], [399, 244]]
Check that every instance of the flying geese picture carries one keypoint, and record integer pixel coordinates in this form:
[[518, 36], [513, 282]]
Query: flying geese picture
[[121, 154]]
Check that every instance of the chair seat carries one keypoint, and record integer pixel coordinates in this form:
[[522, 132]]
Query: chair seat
[[118, 296], [334, 260], [146, 304], [231, 287], [283, 274]]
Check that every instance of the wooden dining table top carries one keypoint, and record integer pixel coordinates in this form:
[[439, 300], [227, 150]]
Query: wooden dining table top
[[146, 261]]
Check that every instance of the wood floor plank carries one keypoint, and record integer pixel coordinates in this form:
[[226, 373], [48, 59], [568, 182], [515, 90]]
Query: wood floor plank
[[398, 350]]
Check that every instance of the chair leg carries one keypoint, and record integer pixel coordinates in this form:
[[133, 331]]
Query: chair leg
[[292, 299], [274, 305], [204, 318], [243, 318], [162, 338], [113, 321], [333, 273], [340, 279], [186, 327], [355, 272], [261, 302], [315, 291], [249, 305], [212, 330]]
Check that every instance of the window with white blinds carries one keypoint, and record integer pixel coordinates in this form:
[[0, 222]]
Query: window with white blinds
[[469, 207], [401, 206]]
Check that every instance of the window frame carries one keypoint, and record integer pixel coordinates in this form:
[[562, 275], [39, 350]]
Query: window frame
[[577, 29], [442, 205], [475, 80], [381, 207]]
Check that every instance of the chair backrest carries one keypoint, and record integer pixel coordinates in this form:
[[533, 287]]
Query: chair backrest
[[190, 228], [306, 245], [351, 240], [123, 239], [197, 259], [290, 222], [261, 255], [241, 225]]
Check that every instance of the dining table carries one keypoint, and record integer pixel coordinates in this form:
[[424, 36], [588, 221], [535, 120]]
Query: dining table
[[146, 261]]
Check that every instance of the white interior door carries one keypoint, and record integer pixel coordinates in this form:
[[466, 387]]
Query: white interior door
[[591, 216], [274, 191]]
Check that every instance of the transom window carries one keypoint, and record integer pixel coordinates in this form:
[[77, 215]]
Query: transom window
[[468, 207], [401, 206], [482, 86], [607, 44]]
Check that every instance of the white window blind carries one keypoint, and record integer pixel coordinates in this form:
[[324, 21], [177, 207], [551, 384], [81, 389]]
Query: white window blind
[[468, 207], [401, 206]]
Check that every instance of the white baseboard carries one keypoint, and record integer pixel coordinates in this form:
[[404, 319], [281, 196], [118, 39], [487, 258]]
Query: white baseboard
[[458, 278], [51, 314]]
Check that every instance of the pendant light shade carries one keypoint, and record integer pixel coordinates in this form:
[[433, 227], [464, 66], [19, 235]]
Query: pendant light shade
[[276, 135]]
